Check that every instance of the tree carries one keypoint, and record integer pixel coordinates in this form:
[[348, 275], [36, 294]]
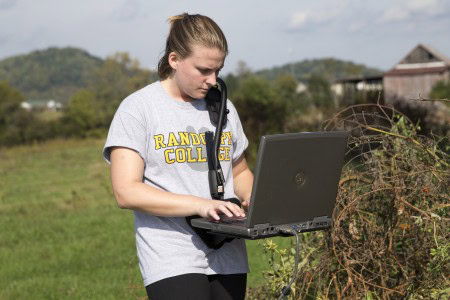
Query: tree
[[259, 109], [441, 90], [286, 90], [319, 91], [81, 114], [10, 100], [118, 77], [243, 70], [15, 123], [232, 82]]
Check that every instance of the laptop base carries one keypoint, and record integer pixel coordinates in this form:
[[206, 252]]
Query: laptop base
[[260, 231]]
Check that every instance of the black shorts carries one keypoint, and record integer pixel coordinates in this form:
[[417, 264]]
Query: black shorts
[[199, 287]]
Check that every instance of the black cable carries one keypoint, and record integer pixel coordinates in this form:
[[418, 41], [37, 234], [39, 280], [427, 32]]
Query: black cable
[[215, 174], [285, 291], [218, 135]]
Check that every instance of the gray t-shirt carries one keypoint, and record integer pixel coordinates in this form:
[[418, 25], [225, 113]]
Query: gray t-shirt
[[169, 136]]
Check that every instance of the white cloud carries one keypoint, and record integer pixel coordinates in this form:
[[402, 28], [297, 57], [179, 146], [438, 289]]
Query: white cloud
[[304, 18], [7, 4], [428, 7], [299, 19], [413, 10], [395, 14]]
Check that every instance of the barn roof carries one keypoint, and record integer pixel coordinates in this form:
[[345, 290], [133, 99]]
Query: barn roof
[[428, 49], [423, 59]]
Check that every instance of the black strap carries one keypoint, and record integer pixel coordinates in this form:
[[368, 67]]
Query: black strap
[[216, 101], [215, 175], [213, 101]]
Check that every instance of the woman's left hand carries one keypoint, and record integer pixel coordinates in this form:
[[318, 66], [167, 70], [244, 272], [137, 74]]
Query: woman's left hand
[[245, 204]]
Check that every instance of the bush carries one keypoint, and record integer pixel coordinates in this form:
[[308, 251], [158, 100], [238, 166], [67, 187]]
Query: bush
[[17, 126], [441, 90], [390, 238], [81, 115], [260, 111]]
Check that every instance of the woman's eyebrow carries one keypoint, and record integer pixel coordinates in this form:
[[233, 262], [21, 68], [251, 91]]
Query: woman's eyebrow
[[210, 69]]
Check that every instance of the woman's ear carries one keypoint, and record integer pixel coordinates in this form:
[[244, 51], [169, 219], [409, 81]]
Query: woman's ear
[[173, 60]]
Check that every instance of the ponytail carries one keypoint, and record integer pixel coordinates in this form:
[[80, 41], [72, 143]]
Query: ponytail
[[188, 30]]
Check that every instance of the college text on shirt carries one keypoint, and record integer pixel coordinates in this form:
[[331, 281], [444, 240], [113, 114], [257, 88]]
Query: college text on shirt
[[189, 147]]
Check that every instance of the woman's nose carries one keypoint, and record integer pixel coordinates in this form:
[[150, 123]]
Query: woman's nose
[[211, 79]]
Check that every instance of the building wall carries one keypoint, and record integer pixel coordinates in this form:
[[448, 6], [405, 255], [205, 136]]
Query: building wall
[[410, 86]]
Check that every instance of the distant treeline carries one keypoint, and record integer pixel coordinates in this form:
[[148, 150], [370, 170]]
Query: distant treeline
[[330, 68], [264, 106], [267, 102]]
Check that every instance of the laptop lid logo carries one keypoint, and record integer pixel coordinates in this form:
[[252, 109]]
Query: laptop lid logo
[[300, 180]]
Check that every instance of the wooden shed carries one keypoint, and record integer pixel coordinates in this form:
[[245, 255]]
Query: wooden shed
[[415, 74]]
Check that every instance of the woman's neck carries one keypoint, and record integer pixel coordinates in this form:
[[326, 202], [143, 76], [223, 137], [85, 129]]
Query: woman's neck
[[174, 91]]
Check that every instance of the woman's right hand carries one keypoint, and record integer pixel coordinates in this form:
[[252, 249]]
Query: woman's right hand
[[212, 209]]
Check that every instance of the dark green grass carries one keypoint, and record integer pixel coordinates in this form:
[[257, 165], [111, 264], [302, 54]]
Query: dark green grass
[[62, 235]]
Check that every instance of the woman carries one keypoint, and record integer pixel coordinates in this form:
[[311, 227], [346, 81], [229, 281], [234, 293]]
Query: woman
[[156, 148]]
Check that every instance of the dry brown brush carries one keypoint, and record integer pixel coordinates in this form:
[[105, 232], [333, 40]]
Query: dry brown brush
[[390, 238]]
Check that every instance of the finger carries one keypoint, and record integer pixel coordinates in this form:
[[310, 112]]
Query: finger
[[226, 210], [214, 215], [240, 211], [236, 210]]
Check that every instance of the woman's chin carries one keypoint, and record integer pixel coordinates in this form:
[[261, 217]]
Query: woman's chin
[[201, 94]]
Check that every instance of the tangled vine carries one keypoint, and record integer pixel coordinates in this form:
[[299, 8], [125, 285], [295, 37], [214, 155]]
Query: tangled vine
[[390, 238]]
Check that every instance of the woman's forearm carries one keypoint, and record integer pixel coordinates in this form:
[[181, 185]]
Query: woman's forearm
[[142, 197], [243, 183], [127, 169]]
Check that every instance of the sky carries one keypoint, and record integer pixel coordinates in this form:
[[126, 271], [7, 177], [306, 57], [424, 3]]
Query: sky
[[263, 33]]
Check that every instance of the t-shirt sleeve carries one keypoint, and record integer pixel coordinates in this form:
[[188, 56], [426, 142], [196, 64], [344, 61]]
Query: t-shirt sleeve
[[126, 130], [240, 141]]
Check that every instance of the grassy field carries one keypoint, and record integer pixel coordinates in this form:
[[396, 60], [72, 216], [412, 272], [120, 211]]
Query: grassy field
[[62, 235]]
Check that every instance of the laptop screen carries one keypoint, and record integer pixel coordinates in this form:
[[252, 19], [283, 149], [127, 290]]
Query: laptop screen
[[296, 177]]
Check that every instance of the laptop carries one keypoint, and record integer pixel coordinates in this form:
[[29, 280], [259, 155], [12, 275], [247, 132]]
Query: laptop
[[296, 183]]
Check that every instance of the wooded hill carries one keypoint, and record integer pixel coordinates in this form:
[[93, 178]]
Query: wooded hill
[[56, 73], [330, 68], [50, 74]]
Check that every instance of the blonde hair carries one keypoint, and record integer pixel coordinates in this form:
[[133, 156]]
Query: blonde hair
[[188, 30]]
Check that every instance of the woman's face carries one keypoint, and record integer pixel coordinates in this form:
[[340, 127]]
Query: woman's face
[[197, 73]]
